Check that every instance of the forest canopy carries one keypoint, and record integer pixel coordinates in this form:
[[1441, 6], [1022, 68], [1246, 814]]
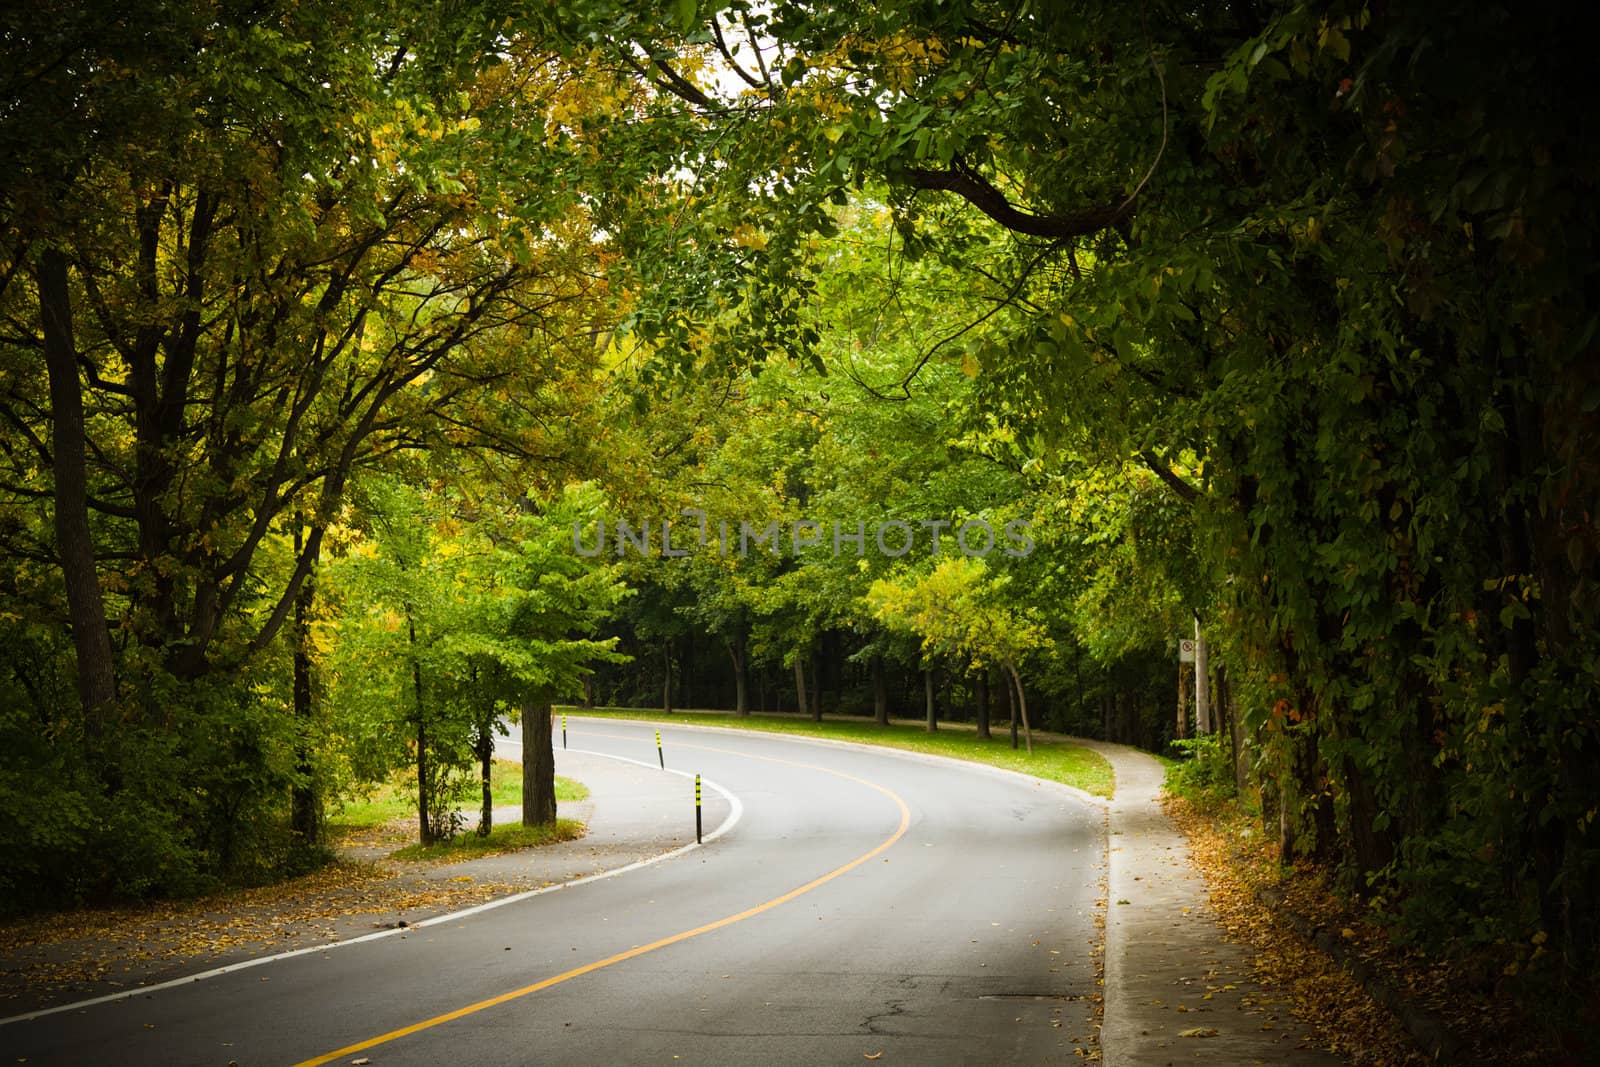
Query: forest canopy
[[327, 328]]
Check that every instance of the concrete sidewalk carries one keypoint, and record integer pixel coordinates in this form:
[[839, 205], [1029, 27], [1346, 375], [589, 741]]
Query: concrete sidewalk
[[1176, 990]]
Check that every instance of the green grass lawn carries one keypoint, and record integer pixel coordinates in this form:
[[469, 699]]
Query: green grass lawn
[[468, 845], [1057, 761], [394, 799]]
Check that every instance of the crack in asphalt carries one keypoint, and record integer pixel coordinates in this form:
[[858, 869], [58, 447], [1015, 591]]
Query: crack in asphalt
[[870, 1023]]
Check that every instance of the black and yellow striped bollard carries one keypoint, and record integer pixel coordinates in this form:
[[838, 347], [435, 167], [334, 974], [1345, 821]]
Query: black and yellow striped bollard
[[697, 810], [659, 757]]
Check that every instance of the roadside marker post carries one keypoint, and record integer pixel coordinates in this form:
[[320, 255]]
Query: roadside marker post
[[659, 757], [563, 729], [697, 810]]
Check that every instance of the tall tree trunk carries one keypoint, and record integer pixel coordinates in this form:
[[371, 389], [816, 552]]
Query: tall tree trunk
[[816, 688], [1183, 702], [983, 703], [538, 765], [1303, 803], [1011, 708], [666, 678], [305, 800], [1022, 705], [91, 638], [800, 682], [741, 700], [485, 763], [588, 690], [880, 693], [483, 748], [682, 678], [1238, 743], [424, 825], [1077, 681], [927, 693]]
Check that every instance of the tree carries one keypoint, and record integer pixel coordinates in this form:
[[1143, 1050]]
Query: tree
[[247, 287], [959, 610], [1319, 250], [456, 626]]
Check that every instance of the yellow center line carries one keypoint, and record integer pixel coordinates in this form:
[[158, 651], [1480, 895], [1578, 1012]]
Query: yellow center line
[[640, 950]]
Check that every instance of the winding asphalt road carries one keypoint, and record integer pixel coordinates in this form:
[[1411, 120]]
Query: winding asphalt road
[[866, 906]]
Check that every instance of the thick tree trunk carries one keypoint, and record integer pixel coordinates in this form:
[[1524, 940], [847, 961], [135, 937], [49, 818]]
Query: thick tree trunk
[[1022, 705], [1303, 792], [816, 689], [538, 765], [741, 700], [880, 693], [91, 639], [588, 690], [982, 684], [1370, 849], [800, 683], [305, 801], [932, 707], [1183, 702], [485, 746], [1238, 742], [424, 826]]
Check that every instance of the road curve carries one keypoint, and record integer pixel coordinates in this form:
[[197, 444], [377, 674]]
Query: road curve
[[866, 906]]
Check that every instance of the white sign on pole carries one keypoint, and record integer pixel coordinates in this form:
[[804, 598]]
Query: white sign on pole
[[1186, 650]]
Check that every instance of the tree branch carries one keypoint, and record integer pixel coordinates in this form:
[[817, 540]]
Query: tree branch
[[722, 46], [1188, 493], [976, 190]]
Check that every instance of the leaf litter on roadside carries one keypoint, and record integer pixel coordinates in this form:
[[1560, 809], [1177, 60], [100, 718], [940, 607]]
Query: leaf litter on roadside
[[51, 957], [1237, 861]]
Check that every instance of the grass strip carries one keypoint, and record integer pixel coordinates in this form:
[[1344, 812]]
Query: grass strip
[[396, 799], [469, 845], [1055, 761]]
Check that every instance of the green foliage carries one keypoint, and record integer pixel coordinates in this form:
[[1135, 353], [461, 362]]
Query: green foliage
[[1325, 272], [441, 630], [958, 610], [253, 284], [1204, 771], [1279, 315]]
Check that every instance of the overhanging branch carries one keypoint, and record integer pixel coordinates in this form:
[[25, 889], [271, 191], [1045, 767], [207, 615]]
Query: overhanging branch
[[977, 191], [1159, 468]]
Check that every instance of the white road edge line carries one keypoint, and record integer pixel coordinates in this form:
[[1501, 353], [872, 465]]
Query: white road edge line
[[735, 813]]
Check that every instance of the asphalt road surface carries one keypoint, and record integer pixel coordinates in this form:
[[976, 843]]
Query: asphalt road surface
[[864, 907]]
